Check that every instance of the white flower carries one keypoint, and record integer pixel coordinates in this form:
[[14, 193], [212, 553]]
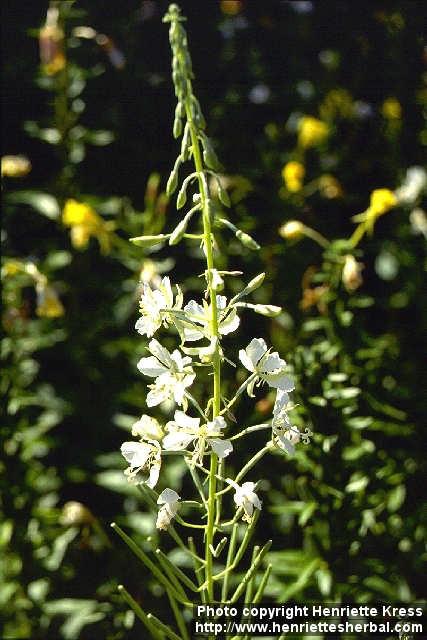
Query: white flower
[[285, 434], [228, 320], [169, 499], [269, 367], [351, 273], [280, 410], [151, 305], [144, 460], [147, 428], [413, 184], [172, 371], [246, 497], [184, 430]]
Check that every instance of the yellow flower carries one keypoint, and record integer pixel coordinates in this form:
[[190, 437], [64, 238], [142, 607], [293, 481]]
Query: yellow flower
[[48, 303], [85, 223], [311, 132], [11, 268], [293, 174], [382, 200], [15, 166], [391, 109], [292, 230]]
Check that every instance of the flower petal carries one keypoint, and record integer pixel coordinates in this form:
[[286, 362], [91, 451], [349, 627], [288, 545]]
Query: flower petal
[[135, 453], [168, 496], [222, 448], [177, 440], [185, 422], [160, 353], [151, 367], [230, 323], [256, 349]]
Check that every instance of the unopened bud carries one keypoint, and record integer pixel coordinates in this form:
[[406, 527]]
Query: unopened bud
[[74, 513], [223, 195], [182, 197], [172, 182], [217, 282], [292, 230], [15, 166], [269, 310], [247, 240], [177, 127], [351, 273], [178, 232], [148, 241]]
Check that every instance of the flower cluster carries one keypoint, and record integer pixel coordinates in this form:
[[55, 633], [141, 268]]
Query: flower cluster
[[173, 374]]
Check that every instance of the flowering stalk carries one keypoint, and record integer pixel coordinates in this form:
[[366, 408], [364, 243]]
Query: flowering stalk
[[201, 437]]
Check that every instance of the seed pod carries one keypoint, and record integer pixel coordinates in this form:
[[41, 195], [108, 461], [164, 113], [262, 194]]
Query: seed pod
[[247, 240]]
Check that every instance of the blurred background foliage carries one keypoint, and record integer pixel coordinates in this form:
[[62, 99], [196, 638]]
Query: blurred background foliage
[[313, 107]]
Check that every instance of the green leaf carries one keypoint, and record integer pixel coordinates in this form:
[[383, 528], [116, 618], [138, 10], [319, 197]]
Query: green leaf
[[59, 549]]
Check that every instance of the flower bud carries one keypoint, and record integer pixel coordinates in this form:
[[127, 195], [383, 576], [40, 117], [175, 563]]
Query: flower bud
[[292, 230], [351, 273], [178, 232], [75, 513], [182, 197], [217, 282], [172, 182], [51, 43], [15, 166], [177, 127], [48, 303], [247, 240], [209, 155], [255, 283], [268, 310], [223, 195], [185, 143], [148, 241]]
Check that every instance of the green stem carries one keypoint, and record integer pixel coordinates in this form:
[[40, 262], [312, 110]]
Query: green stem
[[216, 361], [248, 466]]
